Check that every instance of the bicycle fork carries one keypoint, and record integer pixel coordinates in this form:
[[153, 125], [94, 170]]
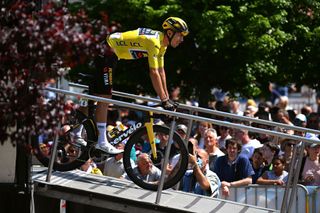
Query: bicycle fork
[[152, 139]]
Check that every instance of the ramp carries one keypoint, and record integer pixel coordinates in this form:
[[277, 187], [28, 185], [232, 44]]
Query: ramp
[[119, 195]]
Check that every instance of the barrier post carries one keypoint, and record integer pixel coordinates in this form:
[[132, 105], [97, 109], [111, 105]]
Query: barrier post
[[165, 163]]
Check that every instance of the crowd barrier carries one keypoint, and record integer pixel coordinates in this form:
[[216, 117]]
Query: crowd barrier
[[269, 196], [314, 194]]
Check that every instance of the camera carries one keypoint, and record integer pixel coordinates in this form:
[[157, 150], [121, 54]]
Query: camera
[[190, 148]]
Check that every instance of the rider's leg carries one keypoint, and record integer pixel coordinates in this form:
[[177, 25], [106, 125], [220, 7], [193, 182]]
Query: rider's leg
[[84, 109], [103, 88], [78, 131]]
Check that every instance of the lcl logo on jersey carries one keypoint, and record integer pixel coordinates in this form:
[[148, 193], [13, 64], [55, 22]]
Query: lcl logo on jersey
[[138, 54], [132, 44]]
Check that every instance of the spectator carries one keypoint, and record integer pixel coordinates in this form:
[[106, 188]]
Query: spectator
[[90, 167], [201, 180], [211, 144], [235, 107], [278, 176], [251, 108], [263, 107], [287, 146], [310, 175], [277, 91], [182, 131], [282, 116], [162, 146], [113, 166], [145, 169], [45, 149], [313, 121], [269, 151], [300, 120], [292, 114], [191, 142], [257, 164], [233, 169], [283, 103], [175, 93], [262, 137], [202, 127], [248, 144], [176, 158], [224, 135], [306, 110]]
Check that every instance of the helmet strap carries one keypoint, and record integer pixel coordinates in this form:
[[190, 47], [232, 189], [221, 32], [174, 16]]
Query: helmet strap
[[170, 38]]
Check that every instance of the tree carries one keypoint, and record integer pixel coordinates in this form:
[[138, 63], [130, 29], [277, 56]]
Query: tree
[[235, 45], [37, 45]]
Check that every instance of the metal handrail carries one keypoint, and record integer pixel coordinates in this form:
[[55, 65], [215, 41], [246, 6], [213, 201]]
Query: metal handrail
[[191, 118], [183, 115], [209, 111]]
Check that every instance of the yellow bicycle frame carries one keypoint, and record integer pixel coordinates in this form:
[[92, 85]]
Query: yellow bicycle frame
[[152, 139]]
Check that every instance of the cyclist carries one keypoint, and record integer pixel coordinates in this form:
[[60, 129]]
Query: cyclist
[[135, 44]]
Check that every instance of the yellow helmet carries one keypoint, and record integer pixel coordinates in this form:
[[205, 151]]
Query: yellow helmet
[[176, 24]]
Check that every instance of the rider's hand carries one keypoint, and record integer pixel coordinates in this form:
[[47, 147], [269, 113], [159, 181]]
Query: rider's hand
[[174, 103], [169, 105]]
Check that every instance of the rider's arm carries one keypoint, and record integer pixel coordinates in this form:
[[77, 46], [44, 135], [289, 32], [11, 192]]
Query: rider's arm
[[164, 80], [157, 83]]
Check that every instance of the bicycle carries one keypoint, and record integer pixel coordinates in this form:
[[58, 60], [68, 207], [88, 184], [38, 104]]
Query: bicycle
[[142, 137]]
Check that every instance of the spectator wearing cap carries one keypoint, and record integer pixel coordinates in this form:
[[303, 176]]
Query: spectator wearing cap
[[310, 168], [251, 108], [182, 131], [301, 121]]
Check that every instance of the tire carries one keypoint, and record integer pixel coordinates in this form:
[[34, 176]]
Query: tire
[[138, 143], [69, 156]]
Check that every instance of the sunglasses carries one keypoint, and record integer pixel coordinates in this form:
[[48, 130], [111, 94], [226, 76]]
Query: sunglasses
[[290, 144]]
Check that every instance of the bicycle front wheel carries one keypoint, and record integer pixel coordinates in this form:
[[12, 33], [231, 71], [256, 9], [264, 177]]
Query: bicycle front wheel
[[146, 169]]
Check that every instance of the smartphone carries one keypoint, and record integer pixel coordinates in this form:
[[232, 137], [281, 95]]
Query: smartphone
[[190, 148]]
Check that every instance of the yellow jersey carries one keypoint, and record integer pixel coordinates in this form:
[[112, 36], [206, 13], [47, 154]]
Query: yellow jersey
[[139, 43]]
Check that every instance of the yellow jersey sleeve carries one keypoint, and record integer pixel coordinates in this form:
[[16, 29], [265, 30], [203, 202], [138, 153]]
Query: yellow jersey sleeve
[[139, 43]]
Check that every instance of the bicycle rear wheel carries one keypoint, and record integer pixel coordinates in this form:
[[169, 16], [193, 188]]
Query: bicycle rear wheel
[[139, 144], [70, 155]]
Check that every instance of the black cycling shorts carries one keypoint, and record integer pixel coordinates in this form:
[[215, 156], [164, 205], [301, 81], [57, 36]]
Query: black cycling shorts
[[104, 66]]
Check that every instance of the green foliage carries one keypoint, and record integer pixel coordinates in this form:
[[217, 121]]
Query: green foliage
[[235, 45]]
